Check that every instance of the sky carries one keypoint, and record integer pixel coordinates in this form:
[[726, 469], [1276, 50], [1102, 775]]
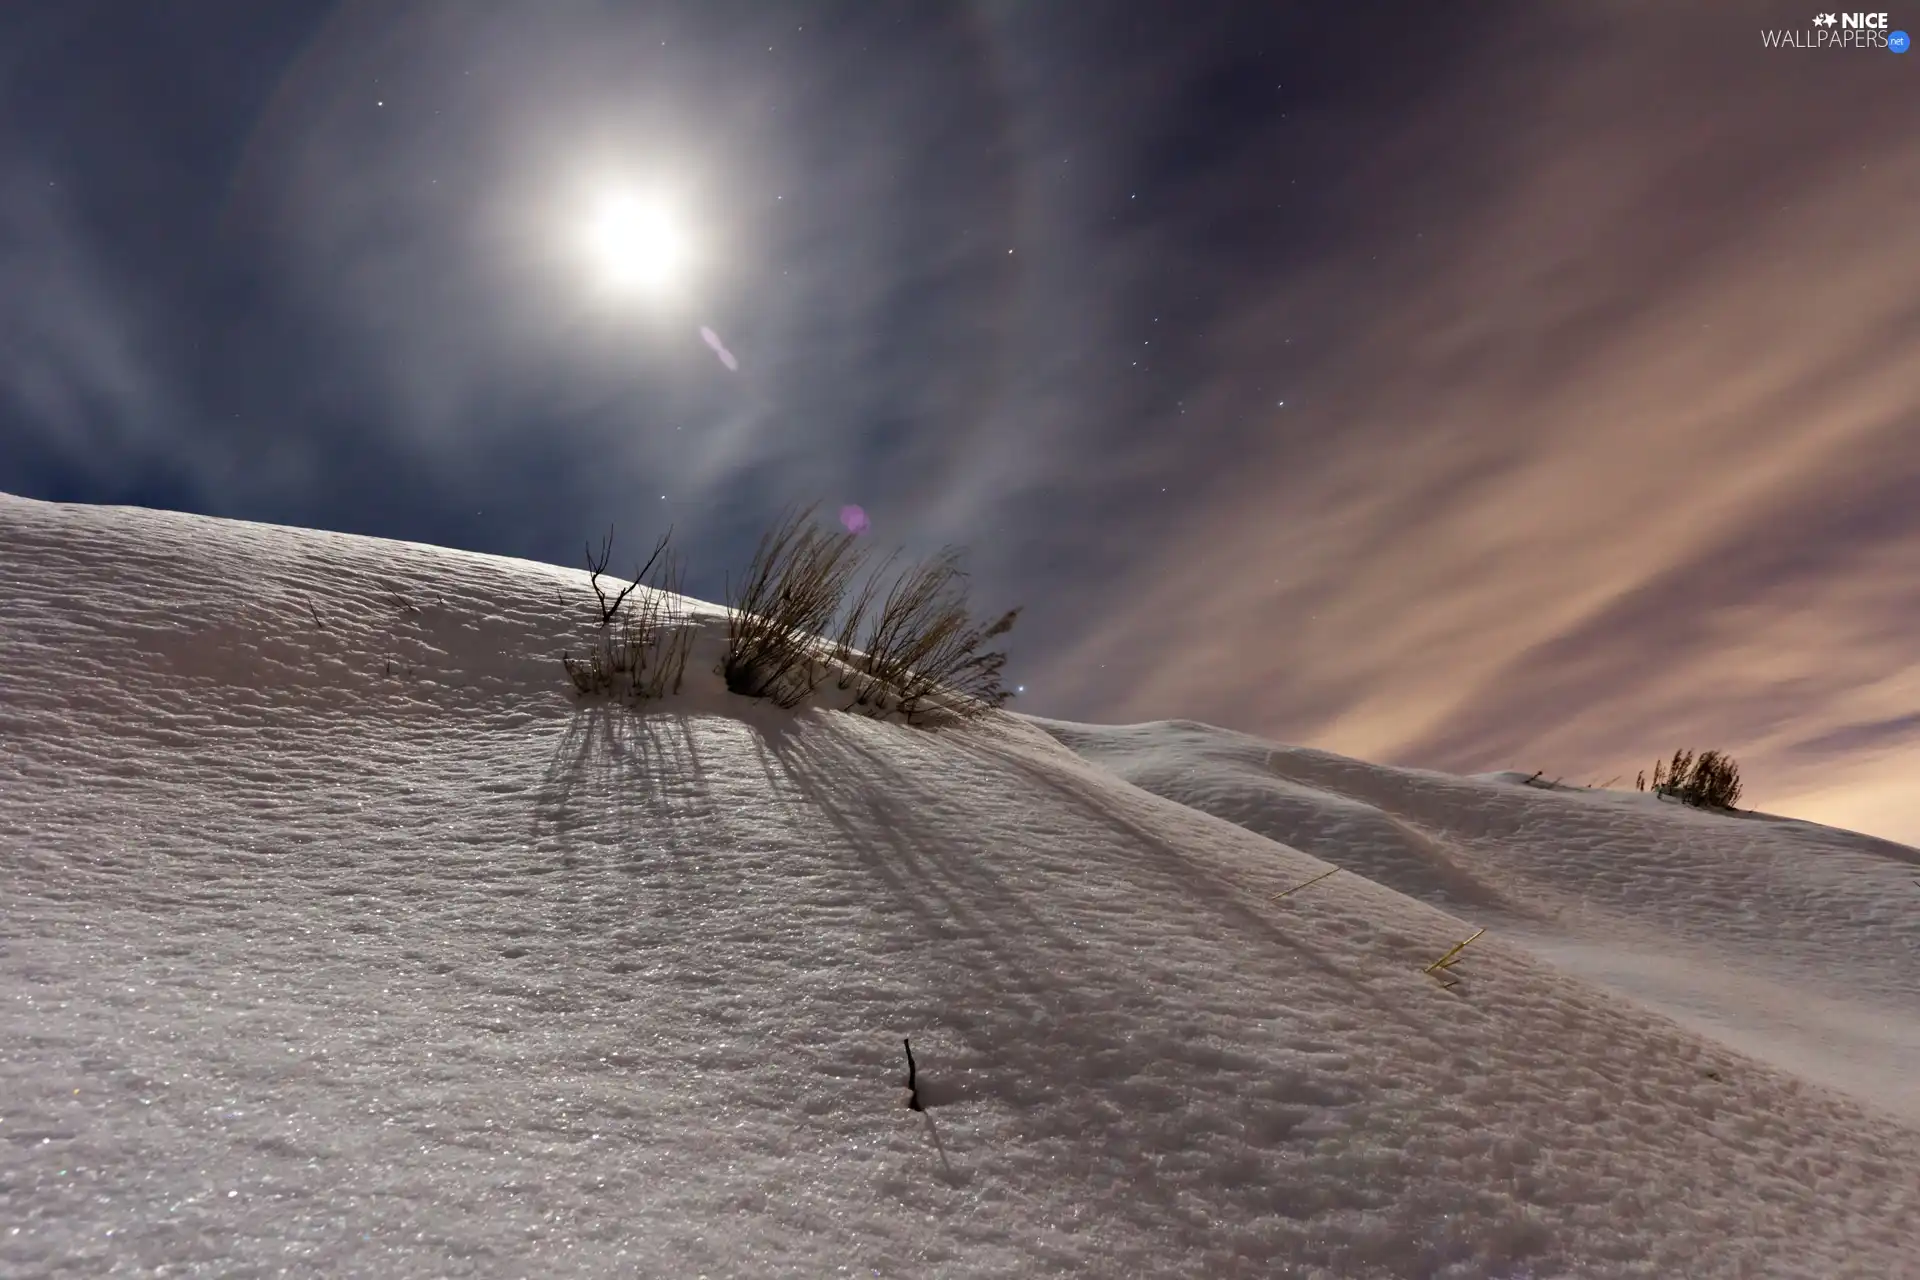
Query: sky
[[1532, 388]]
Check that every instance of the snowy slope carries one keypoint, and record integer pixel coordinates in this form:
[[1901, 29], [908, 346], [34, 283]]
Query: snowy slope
[[1787, 940], [338, 939]]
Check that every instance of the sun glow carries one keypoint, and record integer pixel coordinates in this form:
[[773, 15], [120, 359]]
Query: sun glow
[[635, 244]]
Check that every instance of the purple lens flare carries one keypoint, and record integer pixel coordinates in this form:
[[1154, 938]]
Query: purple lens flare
[[712, 339]]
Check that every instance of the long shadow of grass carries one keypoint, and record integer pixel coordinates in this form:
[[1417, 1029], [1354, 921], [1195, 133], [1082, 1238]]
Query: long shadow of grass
[[633, 778], [1091, 1062], [639, 780], [1154, 849], [882, 814], [1079, 1033], [1105, 1064], [1004, 984], [625, 791]]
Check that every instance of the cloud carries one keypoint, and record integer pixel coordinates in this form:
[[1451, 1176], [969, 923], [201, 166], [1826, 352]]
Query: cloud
[[1616, 457], [78, 375], [844, 215], [1595, 382]]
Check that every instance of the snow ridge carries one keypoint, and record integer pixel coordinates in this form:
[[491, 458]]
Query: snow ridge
[[340, 938]]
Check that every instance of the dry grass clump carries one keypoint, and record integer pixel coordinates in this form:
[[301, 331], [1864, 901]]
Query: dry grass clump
[[1710, 780], [903, 643], [640, 650], [794, 587], [920, 652], [910, 647]]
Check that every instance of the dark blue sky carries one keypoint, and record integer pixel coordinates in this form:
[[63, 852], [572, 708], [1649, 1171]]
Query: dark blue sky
[[1474, 386]]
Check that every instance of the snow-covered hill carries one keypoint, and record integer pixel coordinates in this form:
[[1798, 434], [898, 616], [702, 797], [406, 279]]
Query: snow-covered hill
[[337, 938], [1794, 942]]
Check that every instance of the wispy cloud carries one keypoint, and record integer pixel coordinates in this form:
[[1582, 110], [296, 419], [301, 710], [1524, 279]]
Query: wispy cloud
[[78, 373], [1616, 456]]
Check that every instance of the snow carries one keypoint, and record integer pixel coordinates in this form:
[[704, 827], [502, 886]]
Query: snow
[[339, 937], [1793, 942]]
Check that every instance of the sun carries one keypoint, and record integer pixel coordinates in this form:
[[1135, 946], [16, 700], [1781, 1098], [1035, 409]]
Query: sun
[[635, 244]]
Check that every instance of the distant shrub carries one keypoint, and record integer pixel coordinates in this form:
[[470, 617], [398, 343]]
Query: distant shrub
[[640, 650], [1710, 780]]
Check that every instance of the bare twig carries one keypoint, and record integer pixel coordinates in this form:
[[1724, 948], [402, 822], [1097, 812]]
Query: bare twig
[[399, 600], [913, 1087], [315, 614], [640, 652], [1440, 967], [596, 567], [1286, 893]]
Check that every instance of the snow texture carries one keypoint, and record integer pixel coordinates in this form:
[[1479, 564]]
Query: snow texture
[[339, 937]]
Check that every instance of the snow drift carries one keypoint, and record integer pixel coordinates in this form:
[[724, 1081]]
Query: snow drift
[[338, 937]]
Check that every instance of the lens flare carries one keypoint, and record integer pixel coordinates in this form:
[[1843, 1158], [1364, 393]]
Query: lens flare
[[712, 339]]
